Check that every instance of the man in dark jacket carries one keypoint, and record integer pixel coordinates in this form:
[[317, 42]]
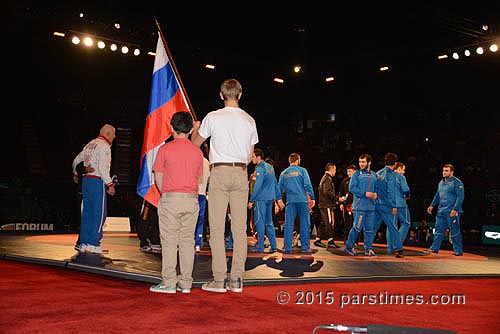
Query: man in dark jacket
[[326, 205]]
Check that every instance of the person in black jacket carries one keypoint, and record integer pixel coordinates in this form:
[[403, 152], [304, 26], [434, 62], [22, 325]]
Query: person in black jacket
[[326, 204]]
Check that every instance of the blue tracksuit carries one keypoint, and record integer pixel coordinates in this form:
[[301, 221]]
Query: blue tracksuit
[[449, 196], [401, 194], [363, 207], [386, 201], [296, 183], [265, 191]]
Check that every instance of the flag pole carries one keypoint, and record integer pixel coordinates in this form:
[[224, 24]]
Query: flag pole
[[171, 59]]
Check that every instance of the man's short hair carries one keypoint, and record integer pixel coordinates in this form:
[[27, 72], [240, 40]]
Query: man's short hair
[[328, 166], [366, 156], [258, 153], [352, 167], [293, 157], [390, 159], [182, 122], [450, 166], [399, 164], [230, 89]]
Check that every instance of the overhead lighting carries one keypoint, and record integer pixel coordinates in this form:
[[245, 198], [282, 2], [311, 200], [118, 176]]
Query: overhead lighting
[[101, 45], [442, 57], [384, 68], [493, 48], [137, 52], [151, 53], [479, 50], [210, 67], [75, 40], [455, 55], [278, 80], [467, 53], [59, 34], [297, 69], [113, 47], [124, 49], [88, 41], [329, 79]]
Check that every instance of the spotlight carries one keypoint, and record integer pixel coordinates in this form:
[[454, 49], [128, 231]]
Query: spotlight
[[88, 41], [467, 53], [151, 53], [278, 80], [75, 40], [480, 50], [210, 67], [493, 48], [117, 25], [101, 45], [124, 49], [329, 79], [442, 57], [137, 52], [59, 34], [113, 47], [455, 55], [384, 68], [297, 69]]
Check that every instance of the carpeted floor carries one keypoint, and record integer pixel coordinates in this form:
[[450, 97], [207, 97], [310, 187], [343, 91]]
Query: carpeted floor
[[45, 299]]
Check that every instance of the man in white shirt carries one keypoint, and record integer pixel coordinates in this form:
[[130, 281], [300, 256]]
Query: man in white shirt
[[233, 134]]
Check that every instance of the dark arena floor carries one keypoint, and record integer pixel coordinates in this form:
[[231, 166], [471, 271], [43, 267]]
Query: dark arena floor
[[125, 260]]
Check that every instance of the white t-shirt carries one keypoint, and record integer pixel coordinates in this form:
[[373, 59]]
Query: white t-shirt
[[232, 133]]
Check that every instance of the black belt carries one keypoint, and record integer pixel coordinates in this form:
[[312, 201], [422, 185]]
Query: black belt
[[230, 164]]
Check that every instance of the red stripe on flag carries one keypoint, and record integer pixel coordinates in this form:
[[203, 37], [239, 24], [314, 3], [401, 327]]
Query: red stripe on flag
[[157, 128]]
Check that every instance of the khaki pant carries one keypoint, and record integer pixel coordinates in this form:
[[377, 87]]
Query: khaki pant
[[178, 214], [228, 185]]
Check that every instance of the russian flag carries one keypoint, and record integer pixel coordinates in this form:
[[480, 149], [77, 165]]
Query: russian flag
[[166, 99]]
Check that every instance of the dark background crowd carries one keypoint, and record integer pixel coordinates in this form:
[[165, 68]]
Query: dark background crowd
[[428, 112]]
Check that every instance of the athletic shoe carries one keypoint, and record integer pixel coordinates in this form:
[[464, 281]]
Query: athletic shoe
[[146, 248], [318, 243], [197, 248], [458, 254], [370, 252], [399, 254], [350, 251], [183, 290], [163, 288], [156, 247], [214, 286], [95, 249], [332, 244], [235, 285], [429, 251], [80, 248]]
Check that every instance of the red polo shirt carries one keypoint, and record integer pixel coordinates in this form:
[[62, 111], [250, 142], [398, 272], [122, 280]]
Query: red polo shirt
[[181, 163]]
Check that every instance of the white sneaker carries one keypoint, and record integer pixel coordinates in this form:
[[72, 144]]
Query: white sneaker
[[95, 249], [156, 247], [197, 248]]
